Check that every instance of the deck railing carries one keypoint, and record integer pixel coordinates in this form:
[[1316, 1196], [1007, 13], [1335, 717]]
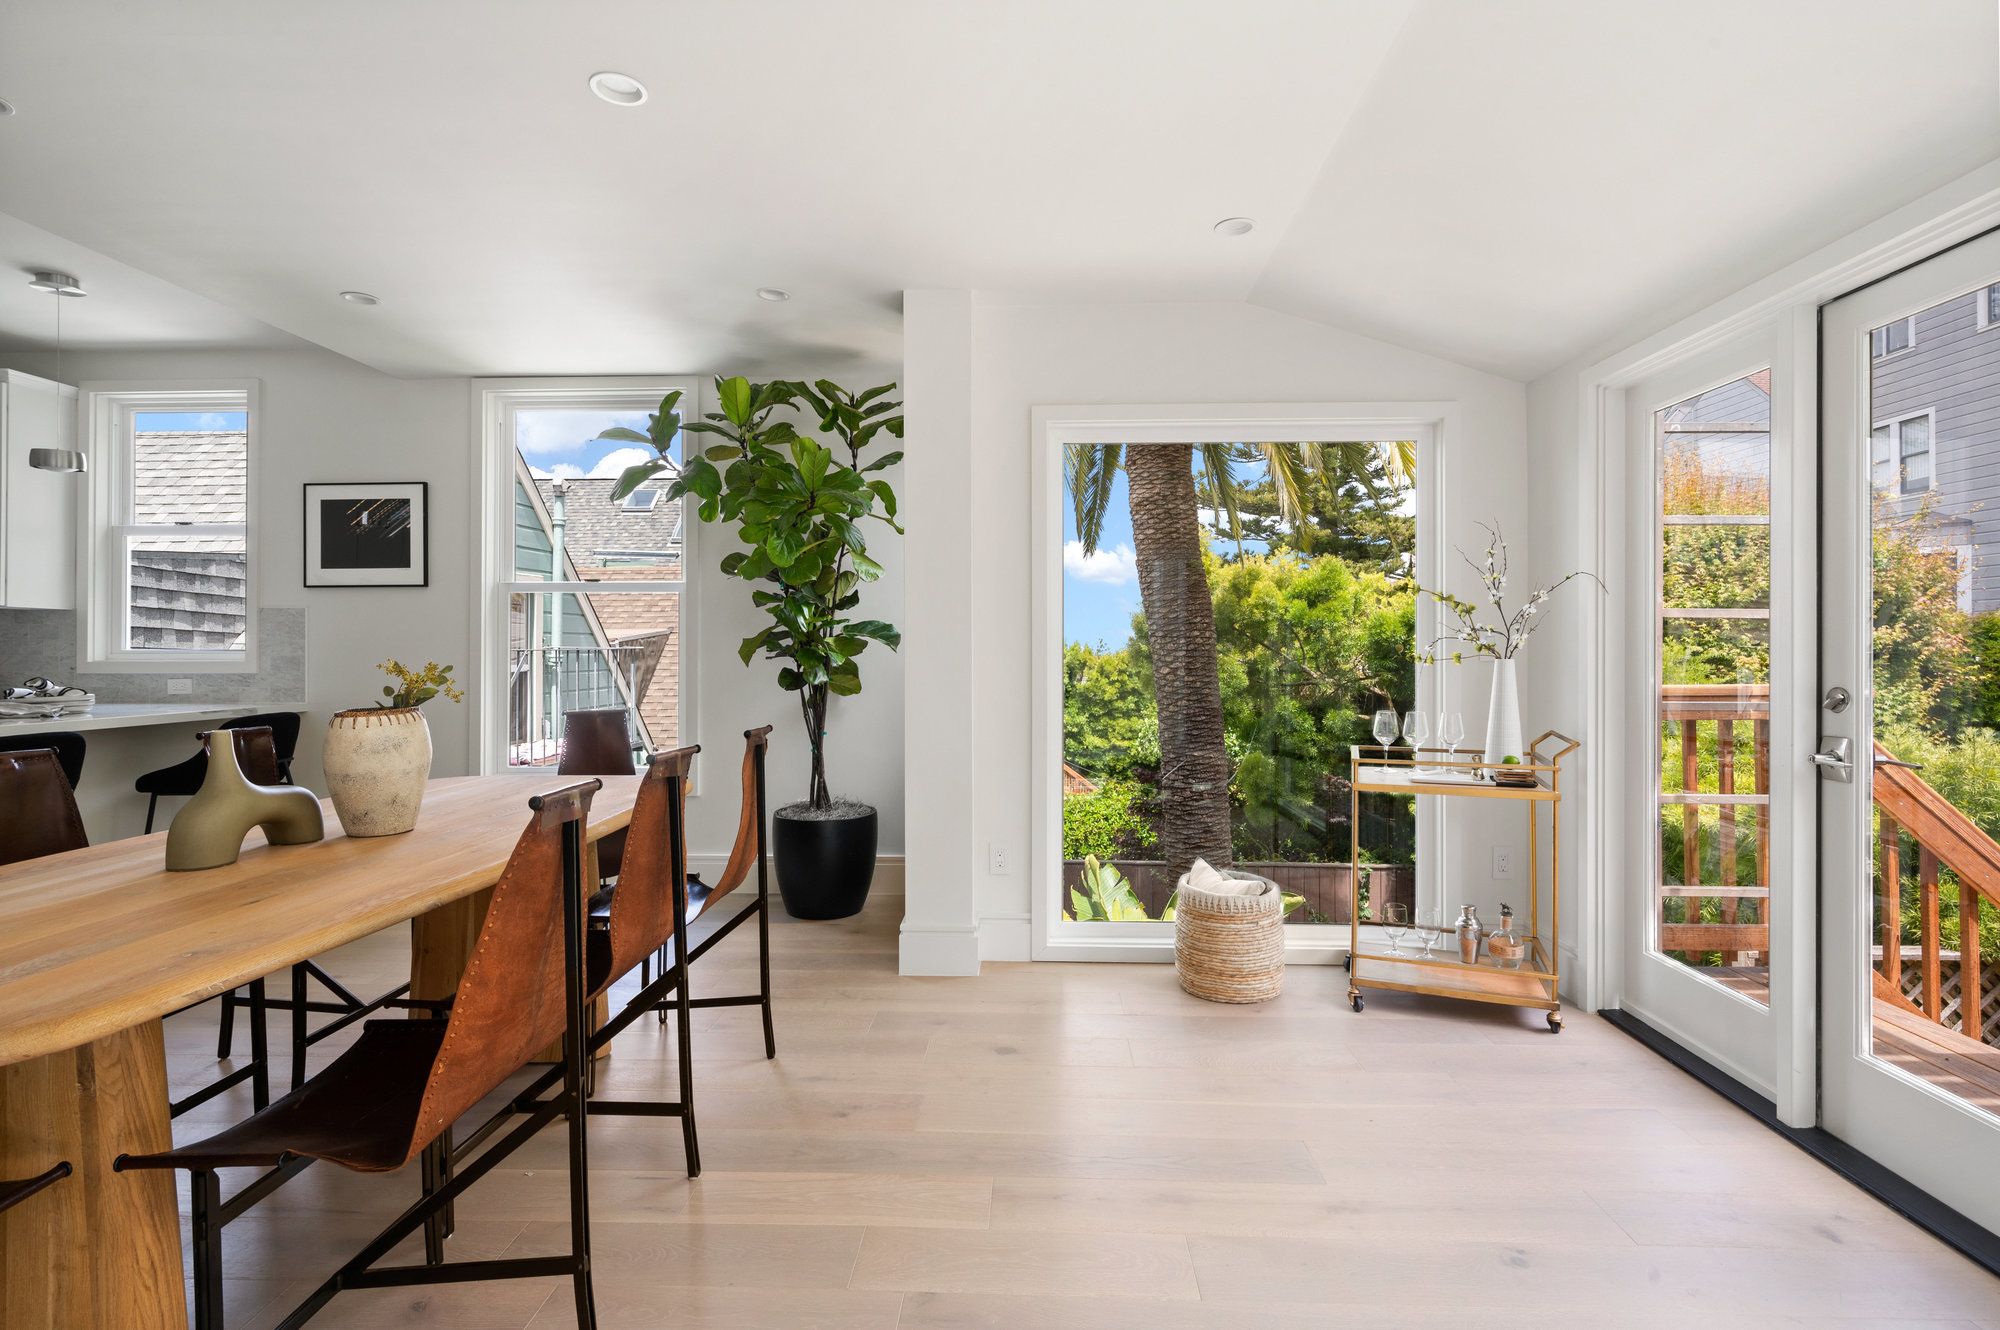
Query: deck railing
[[1916, 827], [1734, 721]]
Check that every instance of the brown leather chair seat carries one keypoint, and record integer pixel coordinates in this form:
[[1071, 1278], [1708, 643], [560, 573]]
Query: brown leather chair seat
[[359, 1112], [37, 811], [598, 742]]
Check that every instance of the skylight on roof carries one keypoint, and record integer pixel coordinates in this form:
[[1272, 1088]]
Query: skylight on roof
[[641, 501]]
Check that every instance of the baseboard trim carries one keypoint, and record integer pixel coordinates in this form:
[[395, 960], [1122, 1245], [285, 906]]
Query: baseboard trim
[[1907, 1199], [940, 950]]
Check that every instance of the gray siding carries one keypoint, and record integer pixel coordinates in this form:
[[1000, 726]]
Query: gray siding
[[1952, 371]]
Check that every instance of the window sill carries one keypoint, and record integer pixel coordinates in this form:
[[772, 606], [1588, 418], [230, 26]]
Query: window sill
[[167, 663]]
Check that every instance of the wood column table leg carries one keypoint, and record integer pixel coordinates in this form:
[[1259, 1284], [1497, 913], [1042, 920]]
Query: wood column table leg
[[99, 1248]]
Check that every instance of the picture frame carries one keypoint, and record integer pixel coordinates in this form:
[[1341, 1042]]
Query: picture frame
[[373, 534]]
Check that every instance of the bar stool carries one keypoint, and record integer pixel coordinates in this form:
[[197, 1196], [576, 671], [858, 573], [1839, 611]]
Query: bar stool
[[183, 779], [13, 1191], [397, 1093], [68, 749]]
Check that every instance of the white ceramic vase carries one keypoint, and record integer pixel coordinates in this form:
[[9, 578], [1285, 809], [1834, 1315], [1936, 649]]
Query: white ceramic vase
[[1503, 715], [376, 763]]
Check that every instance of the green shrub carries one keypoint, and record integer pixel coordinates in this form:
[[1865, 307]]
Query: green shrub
[[1103, 823]]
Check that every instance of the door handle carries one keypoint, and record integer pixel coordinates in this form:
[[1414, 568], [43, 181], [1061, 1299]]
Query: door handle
[[1835, 759]]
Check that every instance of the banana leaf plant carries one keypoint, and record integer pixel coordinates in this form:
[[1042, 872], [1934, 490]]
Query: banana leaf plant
[[1106, 896], [798, 506]]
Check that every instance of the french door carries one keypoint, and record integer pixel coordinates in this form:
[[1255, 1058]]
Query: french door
[[1909, 759], [1711, 574]]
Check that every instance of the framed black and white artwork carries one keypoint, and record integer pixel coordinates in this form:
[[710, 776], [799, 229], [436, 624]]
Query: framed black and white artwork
[[368, 535]]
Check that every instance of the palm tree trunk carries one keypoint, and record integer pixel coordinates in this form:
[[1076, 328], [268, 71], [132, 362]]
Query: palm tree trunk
[[1180, 628]]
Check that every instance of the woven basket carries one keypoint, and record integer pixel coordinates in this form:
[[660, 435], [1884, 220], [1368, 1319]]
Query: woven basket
[[1228, 947]]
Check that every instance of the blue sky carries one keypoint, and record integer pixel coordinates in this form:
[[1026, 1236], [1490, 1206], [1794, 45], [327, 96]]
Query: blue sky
[[178, 422], [565, 443]]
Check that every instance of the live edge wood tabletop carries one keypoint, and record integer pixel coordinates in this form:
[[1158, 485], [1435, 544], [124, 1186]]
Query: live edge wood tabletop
[[96, 945]]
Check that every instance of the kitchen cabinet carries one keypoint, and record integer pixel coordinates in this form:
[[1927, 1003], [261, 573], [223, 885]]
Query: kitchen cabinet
[[38, 509]]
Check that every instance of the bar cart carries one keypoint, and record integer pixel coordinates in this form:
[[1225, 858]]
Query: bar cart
[[1530, 982]]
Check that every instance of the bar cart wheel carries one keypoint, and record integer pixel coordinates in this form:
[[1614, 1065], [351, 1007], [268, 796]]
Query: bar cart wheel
[[1348, 961], [1556, 1021], [1354, 998]]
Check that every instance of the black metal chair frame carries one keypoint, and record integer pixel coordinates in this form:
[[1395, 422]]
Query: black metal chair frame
[[761, 907], [13, 1191], [443, 1179]]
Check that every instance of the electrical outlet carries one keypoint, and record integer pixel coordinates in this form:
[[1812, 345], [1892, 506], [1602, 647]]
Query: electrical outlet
[[1503, 861], [997, 861], [179, 687]]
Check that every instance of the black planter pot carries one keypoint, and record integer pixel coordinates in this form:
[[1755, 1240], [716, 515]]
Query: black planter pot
[[825, 865]]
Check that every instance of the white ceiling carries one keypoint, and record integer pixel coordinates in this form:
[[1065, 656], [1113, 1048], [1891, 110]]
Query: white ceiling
[[1498, 183]]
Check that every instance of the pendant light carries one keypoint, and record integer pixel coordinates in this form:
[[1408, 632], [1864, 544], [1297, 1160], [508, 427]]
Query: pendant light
[[62, 286]]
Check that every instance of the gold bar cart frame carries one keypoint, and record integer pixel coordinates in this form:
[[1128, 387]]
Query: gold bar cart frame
[[1535, 981]]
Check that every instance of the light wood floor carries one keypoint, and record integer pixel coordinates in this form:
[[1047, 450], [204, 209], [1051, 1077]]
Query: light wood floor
[[1086, 1146]]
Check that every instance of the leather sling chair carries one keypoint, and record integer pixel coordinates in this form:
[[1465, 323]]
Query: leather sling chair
[[15, 1191], [747, 852], [598, 742], [396, 1093], [647, 916], [258, 754], [38, 813], [68, 749]]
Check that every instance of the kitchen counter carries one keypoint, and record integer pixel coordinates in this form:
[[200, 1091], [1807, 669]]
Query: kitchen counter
[[125, 715]]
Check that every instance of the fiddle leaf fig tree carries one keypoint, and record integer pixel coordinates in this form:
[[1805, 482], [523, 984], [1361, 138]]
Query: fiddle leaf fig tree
[[798, 506]]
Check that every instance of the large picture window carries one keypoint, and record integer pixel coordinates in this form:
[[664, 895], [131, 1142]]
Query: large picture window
[[593, 581], [1232, 616]]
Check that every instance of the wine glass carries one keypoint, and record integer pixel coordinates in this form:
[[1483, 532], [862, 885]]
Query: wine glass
[[1430, 926], [1451, 729], [1395, 922], [1416, 731], [1385, 728]]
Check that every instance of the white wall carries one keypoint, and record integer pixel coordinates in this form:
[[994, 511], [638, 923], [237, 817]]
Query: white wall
[[969, 429]]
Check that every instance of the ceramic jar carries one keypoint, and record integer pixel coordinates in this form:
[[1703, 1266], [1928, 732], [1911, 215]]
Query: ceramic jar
[[376, 763]]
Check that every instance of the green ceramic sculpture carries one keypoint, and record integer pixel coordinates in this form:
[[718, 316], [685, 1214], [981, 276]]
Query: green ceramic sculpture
[[209, 832]]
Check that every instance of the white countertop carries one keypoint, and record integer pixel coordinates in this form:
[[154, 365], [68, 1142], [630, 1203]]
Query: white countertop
[[124, 715]]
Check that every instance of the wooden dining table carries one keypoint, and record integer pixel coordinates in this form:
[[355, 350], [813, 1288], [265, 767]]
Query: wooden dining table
[[98, 945]]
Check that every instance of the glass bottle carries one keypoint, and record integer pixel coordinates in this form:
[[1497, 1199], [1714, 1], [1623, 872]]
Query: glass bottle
[[1468, 935], [1506, 946]]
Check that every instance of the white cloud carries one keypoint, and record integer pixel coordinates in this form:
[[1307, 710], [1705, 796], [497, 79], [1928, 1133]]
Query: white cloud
[[613, 464], [1114, 567], [538, 432]]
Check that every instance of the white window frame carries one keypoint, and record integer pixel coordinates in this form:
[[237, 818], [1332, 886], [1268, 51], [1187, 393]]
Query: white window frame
[[107, 409], [1910, 321], [496, 405], [1981, 305], [1895, 428], [1433, 425]]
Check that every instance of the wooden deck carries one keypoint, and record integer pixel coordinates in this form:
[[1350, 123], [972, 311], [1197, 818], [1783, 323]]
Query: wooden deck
[[1906, 1039]]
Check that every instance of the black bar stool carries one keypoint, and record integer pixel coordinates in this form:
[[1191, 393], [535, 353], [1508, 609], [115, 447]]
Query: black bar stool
[[183, 779]]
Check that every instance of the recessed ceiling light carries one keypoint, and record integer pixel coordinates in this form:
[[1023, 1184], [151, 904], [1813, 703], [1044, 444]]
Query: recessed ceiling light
[[6, 107], [360, 298], [618, 89], [61, 283], [1235, 226], [773, 293]]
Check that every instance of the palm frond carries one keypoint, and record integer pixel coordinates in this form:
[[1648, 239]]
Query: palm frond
[[1089, 472], [1217, 488], [1292, 479]]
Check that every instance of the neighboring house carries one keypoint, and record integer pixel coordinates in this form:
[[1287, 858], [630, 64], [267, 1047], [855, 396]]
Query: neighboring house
[[1937, 431], [188, 594], [618, 649]]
